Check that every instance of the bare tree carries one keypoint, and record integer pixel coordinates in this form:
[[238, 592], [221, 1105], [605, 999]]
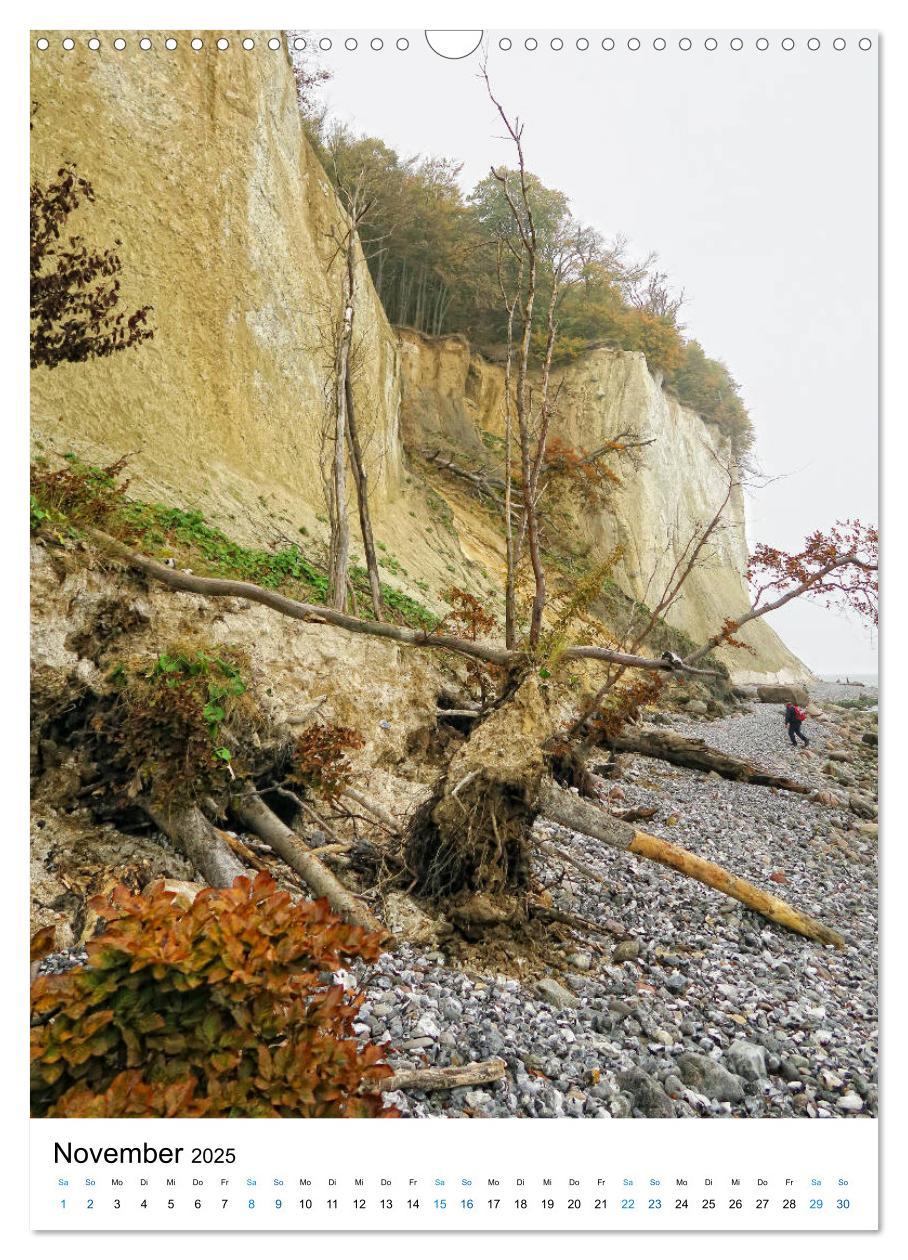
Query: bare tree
[[346, 436], [559, 262]]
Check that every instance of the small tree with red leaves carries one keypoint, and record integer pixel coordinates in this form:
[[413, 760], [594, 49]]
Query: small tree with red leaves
[[839, 568]]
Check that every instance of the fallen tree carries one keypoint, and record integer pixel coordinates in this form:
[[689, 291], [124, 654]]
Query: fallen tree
[[696, 754], [253, 813], [473, 834], [179, 580], [567, 810]]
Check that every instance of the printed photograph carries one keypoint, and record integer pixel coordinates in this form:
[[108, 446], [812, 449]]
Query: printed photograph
[[454, 601]]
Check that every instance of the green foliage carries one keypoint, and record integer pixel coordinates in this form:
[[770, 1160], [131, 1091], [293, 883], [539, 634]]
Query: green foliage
[[410, 610], [216, 1008], [81, 495], [172, 722], [707, 386], [76, 494], [155, 525], [572, 606]]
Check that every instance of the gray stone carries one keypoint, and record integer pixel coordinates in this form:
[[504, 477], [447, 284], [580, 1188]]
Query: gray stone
[[863, 806], [779, 693], [710, 1078], [747, 1060], [626, 951], [850, 1102], [676, 983], [556, 994], [582, 962], [620, 1010], [648, 1095]]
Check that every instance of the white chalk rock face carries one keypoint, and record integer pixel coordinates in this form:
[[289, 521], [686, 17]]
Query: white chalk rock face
[[674, 487], [228, 227]]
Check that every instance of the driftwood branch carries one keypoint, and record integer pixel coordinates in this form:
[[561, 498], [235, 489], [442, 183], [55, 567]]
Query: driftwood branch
[[550, 915], [427, 1079], [204, 846], [567, 810], [695, 754], [374, 809], [253, 813]]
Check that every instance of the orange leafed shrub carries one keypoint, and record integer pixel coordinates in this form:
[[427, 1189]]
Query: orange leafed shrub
[[468, 618], [588, 475], [212, 1009], [321, 765]]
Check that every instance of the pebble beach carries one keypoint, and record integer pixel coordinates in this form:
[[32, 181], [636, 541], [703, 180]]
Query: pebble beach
[[706, 1010]]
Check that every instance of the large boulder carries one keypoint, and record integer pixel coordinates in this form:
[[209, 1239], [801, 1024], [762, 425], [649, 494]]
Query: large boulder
[[783, 693], [708, 1077]]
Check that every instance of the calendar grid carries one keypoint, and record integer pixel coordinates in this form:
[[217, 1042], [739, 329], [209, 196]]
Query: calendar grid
[[315, 1175]]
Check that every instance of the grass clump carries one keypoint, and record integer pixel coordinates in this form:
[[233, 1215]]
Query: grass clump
[[80, 495]]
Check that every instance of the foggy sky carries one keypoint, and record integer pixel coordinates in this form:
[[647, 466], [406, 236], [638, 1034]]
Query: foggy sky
[[753, 173]]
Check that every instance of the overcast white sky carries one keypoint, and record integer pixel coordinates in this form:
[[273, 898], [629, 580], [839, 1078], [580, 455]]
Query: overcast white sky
[[754, 175]]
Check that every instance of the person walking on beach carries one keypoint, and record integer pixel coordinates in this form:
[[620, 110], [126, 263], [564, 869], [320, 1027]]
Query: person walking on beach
[[794, 716]]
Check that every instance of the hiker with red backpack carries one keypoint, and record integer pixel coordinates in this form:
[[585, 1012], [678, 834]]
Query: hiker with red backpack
[[794, 716]]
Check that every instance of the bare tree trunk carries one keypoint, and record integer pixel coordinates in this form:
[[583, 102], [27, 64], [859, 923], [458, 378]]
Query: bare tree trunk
[[563, 807], [253, 813], [194, 836], [360, 480], [539, 458], [340, 527], [510, 588], [525, 228]]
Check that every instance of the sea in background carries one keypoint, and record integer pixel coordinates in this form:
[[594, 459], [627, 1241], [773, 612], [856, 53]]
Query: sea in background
[[869, 680]]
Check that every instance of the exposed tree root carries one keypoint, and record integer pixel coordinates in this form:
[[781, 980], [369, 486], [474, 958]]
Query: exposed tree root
[[473, 834]]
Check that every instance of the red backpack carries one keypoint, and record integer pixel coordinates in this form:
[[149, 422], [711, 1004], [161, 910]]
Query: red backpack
[[799, 713]]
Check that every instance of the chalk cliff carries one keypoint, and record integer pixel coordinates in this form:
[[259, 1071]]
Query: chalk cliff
[[227, 225], [451, 397], [200, 167]]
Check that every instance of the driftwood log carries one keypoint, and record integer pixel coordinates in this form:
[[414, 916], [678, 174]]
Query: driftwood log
[[696, 754], [567, 810], [204, 846], [428, 1079], [253, 813]]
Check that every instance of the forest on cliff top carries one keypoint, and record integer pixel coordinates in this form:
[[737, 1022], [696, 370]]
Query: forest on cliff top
[[431, 250]]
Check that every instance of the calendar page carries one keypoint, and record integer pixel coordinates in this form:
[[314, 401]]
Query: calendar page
[[453, 508]]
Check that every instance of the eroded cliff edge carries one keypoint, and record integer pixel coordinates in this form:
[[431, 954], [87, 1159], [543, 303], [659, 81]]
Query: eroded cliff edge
[[228, 225], [452, 399]]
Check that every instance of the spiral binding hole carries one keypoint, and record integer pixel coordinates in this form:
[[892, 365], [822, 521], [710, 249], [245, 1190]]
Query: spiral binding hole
[[530, 43]]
